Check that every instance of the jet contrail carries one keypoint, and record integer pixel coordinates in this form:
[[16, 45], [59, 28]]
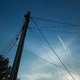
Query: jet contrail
[[66, 49]]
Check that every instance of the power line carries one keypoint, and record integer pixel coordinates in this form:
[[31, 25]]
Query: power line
[[46, 60], [57, 54], [11, 47], [74, 25], [42, 58], [53, 50], [62, 73], [54, 26], [58, 7], [69, 65], [10, 43], [61, 31], [40, 39], [49, 57]]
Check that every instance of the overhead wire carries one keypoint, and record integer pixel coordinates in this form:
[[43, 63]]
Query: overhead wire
[[53, 26], [42, 58], [57, 8], [50, 57], [61, 31], [40, 38], [10, 47], [45, 60], [68, 32], [73, 25], [53, 50], [57, 54], [10, 43]]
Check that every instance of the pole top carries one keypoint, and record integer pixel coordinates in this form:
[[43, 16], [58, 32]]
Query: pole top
[[27, 15], [28, 12]]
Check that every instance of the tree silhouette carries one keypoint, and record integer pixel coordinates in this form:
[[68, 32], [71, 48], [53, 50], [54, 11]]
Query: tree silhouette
[[5, 69]]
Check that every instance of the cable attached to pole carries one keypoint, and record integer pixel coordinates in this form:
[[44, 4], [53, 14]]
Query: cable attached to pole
[[56, 21], [52, 49]]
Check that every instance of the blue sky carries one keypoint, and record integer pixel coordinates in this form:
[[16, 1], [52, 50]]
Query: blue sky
[[66, 45]]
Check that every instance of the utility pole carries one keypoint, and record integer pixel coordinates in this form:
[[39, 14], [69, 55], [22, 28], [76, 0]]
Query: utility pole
[[20, 48]]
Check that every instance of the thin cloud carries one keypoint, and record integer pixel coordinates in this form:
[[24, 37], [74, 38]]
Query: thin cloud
[[66, 49], [36, 76]]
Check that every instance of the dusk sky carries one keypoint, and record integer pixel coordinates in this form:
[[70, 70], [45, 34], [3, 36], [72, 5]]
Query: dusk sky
[[63, 34]]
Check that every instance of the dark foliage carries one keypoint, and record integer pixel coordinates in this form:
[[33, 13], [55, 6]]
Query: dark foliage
[[5, 69]]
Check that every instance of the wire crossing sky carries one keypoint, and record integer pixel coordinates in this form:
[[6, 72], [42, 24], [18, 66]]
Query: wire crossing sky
[[59, 21], [53, 50]]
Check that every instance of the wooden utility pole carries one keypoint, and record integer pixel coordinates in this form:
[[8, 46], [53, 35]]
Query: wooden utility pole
[[20, 48]]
